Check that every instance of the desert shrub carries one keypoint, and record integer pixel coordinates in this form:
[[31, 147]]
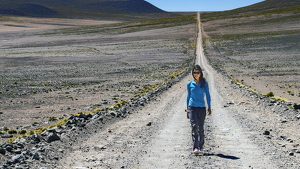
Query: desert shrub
[[31, 132], [36, 122], [2, 132], [96, 110], [97, 105], [270, 94], [8, 136], [60, 123], [279, 99], [23, 131], [291, 93], [53, 118], [12, 131], [119, 104]]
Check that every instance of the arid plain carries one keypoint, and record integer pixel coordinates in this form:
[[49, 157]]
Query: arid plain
[[260, 52], [52, 67], [51, 72]]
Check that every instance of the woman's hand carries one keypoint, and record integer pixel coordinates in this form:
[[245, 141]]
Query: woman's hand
[[209, 111], [187, 113]]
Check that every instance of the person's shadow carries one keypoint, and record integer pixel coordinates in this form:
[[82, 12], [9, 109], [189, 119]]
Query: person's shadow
[[222, 156]]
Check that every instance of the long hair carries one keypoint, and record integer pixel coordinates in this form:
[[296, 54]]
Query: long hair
[[201, 79]]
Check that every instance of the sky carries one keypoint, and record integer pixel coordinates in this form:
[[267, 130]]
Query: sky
[[200, 5]]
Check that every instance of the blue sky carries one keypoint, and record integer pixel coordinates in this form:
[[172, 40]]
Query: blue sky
[[200, 5]]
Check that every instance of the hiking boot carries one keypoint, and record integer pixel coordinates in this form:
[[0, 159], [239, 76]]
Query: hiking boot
[[196, 151]]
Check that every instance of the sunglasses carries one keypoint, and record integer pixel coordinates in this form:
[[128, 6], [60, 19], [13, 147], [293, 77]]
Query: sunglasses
[[196, 72]]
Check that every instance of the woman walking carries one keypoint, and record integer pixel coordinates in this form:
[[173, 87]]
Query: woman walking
[[196, 111]]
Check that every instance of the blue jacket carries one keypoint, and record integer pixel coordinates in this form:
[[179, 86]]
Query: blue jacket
[[195, 96]]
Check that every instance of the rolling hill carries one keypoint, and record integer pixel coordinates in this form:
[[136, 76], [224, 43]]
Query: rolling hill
[[92, 9], [267, 7]]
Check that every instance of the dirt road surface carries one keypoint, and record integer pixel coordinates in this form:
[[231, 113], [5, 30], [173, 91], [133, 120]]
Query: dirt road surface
[[159, 134]]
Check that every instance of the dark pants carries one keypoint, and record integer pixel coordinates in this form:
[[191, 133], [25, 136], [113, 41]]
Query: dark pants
[[197, 117]]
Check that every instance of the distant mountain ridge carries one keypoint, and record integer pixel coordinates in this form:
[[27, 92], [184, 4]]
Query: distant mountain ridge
[[80, 8], [269, 5], [25, 9]]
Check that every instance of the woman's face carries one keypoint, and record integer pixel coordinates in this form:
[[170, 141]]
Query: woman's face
[[196, 74]]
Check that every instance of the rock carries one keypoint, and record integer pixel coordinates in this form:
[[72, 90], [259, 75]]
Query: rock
[[297, 106], [291, 153], [88, 116], [297, 151], [44, 133], [17, 151], [112, 113], [82, 116], [7, 144], [266, 132], [52, 130], [41, 149], [20, 140], [27, 153], [123, 110], [67, 115], [81, 124], [119, 114], [9, 148], [295, 145], [2, 151], [149, 124], [26, 127], [8, 163], [52, 137], [60, 150], [17, 159], [36, 138], [35, 157], [20, 145], [283, 121], [281, 137], [95, 116], [99, 147]]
